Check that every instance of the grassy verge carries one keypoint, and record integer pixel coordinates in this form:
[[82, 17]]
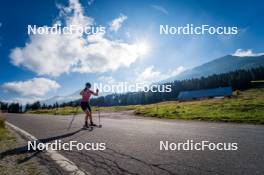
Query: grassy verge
[[10, 164], [57, 111], [4, 134], [72, 110], [247, 106]]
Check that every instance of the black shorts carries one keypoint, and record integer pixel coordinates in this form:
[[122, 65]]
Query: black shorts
[[86, 106]]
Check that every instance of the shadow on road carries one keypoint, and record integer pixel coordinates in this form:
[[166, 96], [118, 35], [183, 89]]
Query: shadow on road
[[24, 149]]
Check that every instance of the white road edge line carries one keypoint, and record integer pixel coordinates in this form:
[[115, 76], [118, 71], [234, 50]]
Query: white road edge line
[[67, 165]]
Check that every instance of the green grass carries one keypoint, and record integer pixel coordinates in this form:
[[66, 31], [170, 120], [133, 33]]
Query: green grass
[[4, 133], [72, 110], [11, 164], [2, 122], [57, 111], [246, 106]]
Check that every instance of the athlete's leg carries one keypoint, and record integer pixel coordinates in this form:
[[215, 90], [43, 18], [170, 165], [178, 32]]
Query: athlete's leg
[[87, 113], [90, 117], [84, 108]]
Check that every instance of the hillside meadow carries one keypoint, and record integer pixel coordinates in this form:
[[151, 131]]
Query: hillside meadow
[[245, 106]]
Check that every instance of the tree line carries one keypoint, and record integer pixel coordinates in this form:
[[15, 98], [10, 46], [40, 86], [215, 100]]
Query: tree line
[[11, 107], [238, 80]]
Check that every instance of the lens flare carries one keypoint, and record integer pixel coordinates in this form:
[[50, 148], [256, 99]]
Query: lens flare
[[142, 48]]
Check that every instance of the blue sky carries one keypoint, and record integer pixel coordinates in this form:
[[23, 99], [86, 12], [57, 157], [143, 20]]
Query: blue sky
[[37, 68]]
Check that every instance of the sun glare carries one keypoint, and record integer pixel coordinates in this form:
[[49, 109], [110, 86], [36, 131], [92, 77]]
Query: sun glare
[[143, 48]]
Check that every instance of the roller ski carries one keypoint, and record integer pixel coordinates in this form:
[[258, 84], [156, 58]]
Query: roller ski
[[86, 126]]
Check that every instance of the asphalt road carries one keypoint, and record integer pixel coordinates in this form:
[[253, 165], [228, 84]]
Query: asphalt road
[[133, 144]]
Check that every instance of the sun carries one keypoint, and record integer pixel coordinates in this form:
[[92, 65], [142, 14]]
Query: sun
[[142, 48]]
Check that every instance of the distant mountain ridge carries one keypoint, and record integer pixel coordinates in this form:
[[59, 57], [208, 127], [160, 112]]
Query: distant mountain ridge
[[62, 99], [221, 65]]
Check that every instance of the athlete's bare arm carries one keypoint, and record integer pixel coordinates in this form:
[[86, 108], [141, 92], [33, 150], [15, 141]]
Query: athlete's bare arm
[[95, 93], [81, 93]]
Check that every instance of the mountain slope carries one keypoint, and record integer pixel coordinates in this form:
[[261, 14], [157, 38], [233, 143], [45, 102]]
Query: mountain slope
[[221, 65], [62, 99]]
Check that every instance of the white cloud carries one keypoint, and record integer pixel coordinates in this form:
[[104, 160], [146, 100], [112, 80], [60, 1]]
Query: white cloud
[[246, 53], [55, 54], [160, 9], [117, 23], [150, 75], [32, 88], [177, 71], [106, 79]]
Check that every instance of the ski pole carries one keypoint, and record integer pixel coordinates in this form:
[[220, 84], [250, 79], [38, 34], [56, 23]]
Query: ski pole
[[73, 117], [99, 117]]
